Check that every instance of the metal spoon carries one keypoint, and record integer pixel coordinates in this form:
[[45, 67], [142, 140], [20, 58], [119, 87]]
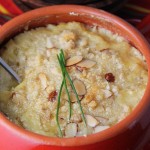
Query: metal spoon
[[9, 70]]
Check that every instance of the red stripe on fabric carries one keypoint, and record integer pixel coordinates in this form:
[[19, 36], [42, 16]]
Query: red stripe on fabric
[[11, 7]]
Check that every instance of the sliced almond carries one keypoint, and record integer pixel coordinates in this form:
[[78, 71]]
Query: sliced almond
[[100, 128], [48, 89], [107, 93], [86, 63], [43, 80], [91, 121], [49, 43], [73, 97], [101, 119], [76, 118], [80, 87], [92, 104], [79, 68], [73, 60], [88, 98], [71, 130]]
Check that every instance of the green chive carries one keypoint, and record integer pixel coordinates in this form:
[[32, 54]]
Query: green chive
[[58, 106], [61, 60], [65, 83], [73, 87]]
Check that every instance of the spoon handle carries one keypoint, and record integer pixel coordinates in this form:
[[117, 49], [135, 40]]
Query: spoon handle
[[9, 70]]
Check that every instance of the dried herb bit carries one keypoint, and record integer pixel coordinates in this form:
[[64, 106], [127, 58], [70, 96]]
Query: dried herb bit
[[52, 96], [109, 77]]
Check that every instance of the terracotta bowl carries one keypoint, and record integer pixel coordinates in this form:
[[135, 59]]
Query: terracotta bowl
[[122, 136]]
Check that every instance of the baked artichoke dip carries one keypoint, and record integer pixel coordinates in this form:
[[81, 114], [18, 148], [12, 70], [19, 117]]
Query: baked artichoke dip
[[75, 79]]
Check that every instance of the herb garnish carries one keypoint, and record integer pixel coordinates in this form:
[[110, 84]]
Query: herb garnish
[[61, 59]]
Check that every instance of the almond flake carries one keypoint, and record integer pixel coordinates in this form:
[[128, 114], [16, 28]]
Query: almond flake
[[91, 121], [73, 60], [73, 97], [49, 43], [102, 119], [71, 130], [86, 63], [43, 80], [107, 93], [100, 128], [79, 68], [92, 104], [76, 118], [80, 87]]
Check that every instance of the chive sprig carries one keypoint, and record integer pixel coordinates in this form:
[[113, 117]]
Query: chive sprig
[[65, 74]]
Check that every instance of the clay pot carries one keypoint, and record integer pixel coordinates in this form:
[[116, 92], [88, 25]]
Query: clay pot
[[122, 136]]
